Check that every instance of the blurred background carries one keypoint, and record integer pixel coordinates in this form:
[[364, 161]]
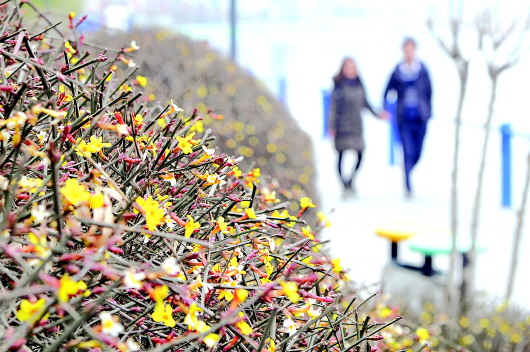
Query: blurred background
[[293, 49]]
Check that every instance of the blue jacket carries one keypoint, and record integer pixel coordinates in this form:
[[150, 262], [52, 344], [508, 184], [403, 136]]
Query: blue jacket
[[422, 84]]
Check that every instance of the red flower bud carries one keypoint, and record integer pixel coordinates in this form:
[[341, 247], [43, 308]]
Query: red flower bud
[[6, 88], [129, 216], [118, 117], [116, 250]]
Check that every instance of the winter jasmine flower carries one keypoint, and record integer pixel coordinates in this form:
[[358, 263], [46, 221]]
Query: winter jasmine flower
[[110, 325]]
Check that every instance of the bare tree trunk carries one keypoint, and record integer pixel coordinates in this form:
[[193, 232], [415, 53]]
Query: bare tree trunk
[[451, 292], [518, 233], [469, 274]]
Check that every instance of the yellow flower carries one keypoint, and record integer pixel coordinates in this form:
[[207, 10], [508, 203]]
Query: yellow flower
[[128, 346], [132, 279], [30, 184], [38, 109], [323, 219], [464, 322], [110, 325], [290, 326], [211, 340], [74, 192], [142, 81], [306, 231], [285, 214], [153, 212], [241, 295], [191, 318], [308, 260], [133, 46], [197, 127], [237, 172], [138, 120], [164, 314], [407, 342], [502, 307], [223, 226], [187, 143], [226, 293], [484, 323], [96, 144], [253, 176], [202, 326], [269, 268], [159, 293], [423, 334], [290, 289], [384, 311], [31, 312], [190, 226], [89, 344], [97, 200], [69, 287], [41, 245], [272, 345], [312, 312], [250, 213], [305, 202], [69, 48], [516, 338], [467, 340], [170, 266], [337, 268], [161, 122], [172, 109], [67, 97], [244, 327], [83, 149], [269, 196]]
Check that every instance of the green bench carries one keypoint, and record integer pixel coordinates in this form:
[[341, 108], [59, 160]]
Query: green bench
[[433, 243]]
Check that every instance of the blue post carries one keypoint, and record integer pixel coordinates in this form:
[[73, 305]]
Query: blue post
[[506, 136], [282, 90], [326, 105], [394, 140]]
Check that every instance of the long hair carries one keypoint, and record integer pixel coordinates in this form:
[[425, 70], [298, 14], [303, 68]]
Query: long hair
[[339, 77]]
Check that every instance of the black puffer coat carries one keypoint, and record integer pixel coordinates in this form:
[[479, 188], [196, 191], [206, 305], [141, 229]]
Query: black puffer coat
[[347, 101]]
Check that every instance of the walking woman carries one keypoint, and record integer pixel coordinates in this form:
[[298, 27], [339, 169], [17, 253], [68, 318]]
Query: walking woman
[[345, 124]]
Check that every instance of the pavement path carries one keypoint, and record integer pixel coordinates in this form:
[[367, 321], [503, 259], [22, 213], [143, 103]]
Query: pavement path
[[381, 199]]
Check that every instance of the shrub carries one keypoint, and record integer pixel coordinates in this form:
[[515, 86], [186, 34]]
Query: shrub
[[256, 125], [121, 228], [488, 327]]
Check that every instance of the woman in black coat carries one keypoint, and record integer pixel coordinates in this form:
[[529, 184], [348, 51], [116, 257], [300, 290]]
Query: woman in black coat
[[345, 123]]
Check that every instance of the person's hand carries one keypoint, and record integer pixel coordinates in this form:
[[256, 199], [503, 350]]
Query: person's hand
[[384, 115], [332, 132]]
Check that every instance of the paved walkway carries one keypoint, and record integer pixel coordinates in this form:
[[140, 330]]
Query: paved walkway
[[381, 199]]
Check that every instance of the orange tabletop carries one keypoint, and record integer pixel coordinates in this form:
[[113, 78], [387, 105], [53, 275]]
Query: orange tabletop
[[397, 232]]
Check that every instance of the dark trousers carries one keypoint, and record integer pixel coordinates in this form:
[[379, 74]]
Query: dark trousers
[[348, 182], [412, 133]]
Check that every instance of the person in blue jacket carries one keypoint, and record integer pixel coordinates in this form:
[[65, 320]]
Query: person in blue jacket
[[412, 85]]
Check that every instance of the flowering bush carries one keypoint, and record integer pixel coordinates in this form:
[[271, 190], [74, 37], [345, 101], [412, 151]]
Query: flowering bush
[[121, 228], [502, 328], [255, 125]]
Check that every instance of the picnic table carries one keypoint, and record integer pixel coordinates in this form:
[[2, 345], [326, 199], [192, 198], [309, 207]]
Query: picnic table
[[425, 241]]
